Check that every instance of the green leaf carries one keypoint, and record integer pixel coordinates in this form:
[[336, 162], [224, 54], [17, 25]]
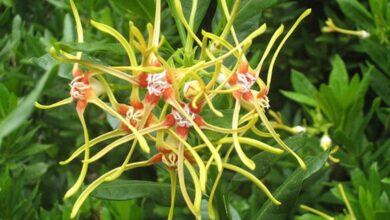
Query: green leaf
[[17, 28], [133, 189], [374, 182], [34, 171], [329, 103], [24, 109], [386, 180], [32, 150], [143, 9], [381, 85], [357, 13], [96, 46], [302, 84], [379, 54], [338, 79], [8, 101], [300, 98], [288, 192], [249, 14], [264, 160], [68, 29]]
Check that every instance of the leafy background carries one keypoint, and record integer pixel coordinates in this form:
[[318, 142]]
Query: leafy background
[[332, 82]]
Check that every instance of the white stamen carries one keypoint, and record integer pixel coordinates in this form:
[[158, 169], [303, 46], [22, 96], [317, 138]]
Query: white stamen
[[245, 81], [157, 83], [182, 121], [133, 115], [78, 89], [264, 102], [170, 160]]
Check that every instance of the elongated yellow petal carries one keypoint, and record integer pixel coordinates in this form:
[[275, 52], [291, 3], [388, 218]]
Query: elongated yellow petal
[[198, 191], [183, 20], [252, 142], [271, 65], [121, 141], [84, 167], [212, 107], [119, 172], [254, 180], [230, 130], [218, 39], [274, 37], [199, 162], [271, 130], [248, 162], [111, 31], [93, 142], [79, 31], [226, 91], [146, 69], [54, 105], [317, 212], [212, 194], [182, 184], [94, 66], [344, 196], [80, 200], [140, 138], [260, 133], [140, 38], [157, 21], [215, 153], [144, 118], [230, 19], [172, 175], [108, 91]]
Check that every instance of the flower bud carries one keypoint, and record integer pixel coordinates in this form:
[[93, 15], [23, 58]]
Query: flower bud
[[298, 129], [326, 142], [191, 89]]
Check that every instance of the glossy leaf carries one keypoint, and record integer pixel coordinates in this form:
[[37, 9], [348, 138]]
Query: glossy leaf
[[300, 98], [133, 189], [24, 109], [288, 192], [302, 84]]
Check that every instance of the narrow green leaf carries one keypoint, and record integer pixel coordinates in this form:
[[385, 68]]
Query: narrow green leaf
[[96, 46], [300, 98], [24, 109], [34, 171], [357, 13], [338, 79], [379, 54], [68, 29], [133, 189], [249, 14], [302, 84], [288, 192], [381, 85], [143, 9]]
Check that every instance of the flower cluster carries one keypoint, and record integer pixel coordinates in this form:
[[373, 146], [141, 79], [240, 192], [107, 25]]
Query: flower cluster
[[182, 92]]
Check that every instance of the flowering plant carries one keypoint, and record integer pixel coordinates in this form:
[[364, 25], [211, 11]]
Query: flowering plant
[[164, 114]]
